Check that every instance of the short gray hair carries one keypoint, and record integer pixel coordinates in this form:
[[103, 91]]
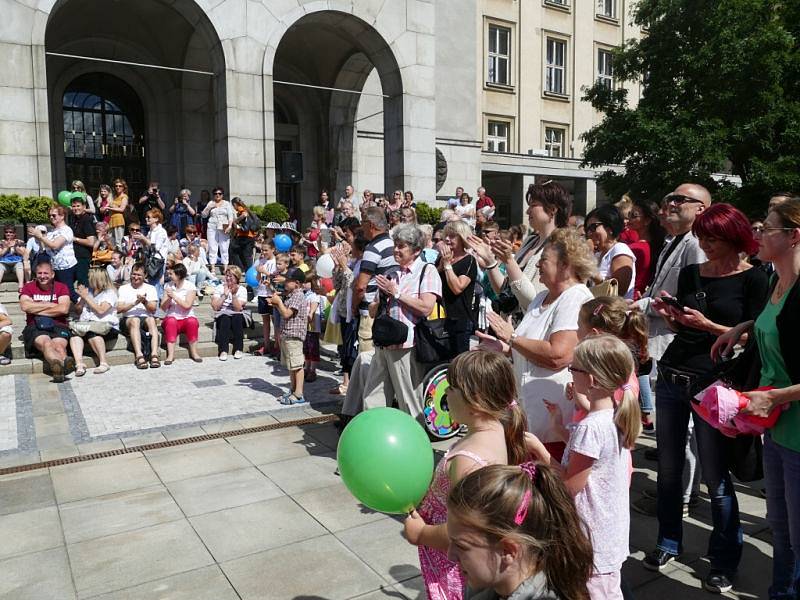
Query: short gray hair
[[186, 191], [377, 217], [410, 234]]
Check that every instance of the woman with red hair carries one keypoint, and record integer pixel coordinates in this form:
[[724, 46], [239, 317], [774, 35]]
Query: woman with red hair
[[712, 297]]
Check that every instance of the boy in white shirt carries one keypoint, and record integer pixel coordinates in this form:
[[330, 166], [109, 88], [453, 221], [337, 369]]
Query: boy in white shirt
[[265, 267]]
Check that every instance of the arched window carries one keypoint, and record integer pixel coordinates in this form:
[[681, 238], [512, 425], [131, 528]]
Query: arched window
[[103, 132]]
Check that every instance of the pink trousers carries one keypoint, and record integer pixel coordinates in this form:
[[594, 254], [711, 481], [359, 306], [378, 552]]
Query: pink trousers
[[174, 327]]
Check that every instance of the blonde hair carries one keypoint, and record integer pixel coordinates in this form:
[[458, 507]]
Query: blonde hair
[[572, 249], [459, 228], [611, 314], [79, 184], [550, 532], [624, 205], [235, 271], [609, 361], [99, 281], [788, 212], [487, 383], [318, 211]]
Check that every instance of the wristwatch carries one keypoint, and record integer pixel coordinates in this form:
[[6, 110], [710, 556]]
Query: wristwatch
[[396, 295], [513, 338]]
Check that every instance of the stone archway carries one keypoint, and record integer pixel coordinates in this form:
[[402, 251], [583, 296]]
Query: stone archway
[[330, 49], [184, 113]]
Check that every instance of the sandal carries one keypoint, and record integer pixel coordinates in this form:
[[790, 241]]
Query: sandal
[[167, 362], [80, 370], [339, 390], [154, 362], [101, 368], [140, 362]]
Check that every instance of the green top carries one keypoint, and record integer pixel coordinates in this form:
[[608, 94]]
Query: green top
[[773, 373]]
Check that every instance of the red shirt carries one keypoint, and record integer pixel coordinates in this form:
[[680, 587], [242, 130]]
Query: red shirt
[[37, 294], [645, 265], [484, 202]]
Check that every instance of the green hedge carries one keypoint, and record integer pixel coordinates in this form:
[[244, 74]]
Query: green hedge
[[428, 214], [274, 211], [27, 209]]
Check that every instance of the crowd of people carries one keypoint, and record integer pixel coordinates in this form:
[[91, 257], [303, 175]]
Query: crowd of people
[[555, 335]]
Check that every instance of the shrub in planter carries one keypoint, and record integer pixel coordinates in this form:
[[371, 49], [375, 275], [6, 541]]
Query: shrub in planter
[[428, 214]]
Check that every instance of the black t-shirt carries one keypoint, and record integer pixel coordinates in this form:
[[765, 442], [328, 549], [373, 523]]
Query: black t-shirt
[[730, 301], [460, 306], [82, 227]]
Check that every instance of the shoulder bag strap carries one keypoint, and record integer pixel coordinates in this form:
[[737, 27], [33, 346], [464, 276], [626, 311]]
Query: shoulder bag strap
[[699, 294]]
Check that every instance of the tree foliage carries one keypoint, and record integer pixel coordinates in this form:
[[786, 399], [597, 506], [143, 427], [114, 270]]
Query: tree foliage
[[721, 93]]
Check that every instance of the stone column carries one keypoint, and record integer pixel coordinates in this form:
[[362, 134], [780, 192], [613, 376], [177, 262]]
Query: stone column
[[585, 196], [519, 185]]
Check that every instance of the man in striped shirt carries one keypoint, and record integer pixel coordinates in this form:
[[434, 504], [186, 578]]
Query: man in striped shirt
[[378, 260]]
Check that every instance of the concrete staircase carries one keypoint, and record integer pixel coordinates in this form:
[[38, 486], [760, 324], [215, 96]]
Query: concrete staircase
[[118, 352]]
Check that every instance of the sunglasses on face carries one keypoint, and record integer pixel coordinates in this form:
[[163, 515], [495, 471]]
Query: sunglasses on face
[[680, 200], [592, 228], [53, 216]]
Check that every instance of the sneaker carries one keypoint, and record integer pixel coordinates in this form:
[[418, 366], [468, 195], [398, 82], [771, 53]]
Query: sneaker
[[657, 560], [238, 355], [223, 356], [717, 582], [648, 426]]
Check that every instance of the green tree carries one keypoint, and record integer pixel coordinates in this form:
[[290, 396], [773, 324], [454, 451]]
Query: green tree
[[721, 81]]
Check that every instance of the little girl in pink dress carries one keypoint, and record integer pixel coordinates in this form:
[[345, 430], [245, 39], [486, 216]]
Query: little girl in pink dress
[[482, 395]]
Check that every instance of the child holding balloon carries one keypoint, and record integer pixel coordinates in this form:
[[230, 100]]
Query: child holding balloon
[[514, 532], [482, 395]]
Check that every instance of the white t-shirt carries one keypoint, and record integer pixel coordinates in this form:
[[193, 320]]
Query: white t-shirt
[[110, 316], [314, 319], [159, 239], [603, 503], [539, 383], [264, 266], [127, 294], [226, 308], [64, 257], [604, 264], [193, 266], [173, 310]]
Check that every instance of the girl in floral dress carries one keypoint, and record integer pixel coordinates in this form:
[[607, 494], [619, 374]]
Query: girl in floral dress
[[482, 395]]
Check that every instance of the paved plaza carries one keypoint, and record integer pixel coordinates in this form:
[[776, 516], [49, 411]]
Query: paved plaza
[[250, 514]]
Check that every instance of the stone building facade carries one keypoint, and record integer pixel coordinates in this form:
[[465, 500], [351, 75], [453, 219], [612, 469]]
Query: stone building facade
[[277, 99]]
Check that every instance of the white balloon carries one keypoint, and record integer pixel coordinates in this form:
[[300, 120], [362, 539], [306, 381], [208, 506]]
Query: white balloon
[[325, 266]]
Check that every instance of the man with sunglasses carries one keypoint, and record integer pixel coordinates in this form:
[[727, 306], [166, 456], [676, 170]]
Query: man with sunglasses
[[681, 208]]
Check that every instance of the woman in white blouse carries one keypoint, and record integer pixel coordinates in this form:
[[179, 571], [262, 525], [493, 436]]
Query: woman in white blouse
[[98, 319], [542, 344], [58, 245], [177, 304], [228, 301], [156, 238], [220, 215], [615, 259]]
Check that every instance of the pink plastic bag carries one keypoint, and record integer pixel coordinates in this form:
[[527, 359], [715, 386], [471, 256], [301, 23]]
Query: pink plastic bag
[[721, 406]]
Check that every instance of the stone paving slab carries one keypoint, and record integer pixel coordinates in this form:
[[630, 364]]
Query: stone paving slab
[[37, 576], [206, 583]]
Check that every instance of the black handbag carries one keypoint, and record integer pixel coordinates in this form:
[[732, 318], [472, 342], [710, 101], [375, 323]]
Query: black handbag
[[153, 262], [387, 331], [432, 340]]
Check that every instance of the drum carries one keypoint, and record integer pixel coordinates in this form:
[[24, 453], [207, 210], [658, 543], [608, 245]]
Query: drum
[[434, 402]]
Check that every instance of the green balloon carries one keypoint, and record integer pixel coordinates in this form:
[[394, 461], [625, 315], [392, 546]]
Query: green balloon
[[386, 460], [79, 195], [65, 198]]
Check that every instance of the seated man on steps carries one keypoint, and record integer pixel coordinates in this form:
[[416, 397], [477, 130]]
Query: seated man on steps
[[137, 303], [46, 305]]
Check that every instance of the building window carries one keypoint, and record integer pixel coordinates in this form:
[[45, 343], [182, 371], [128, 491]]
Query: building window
[[499, 55], [607, 8], [497, 136], [605, 70], [557, 2], [555, 76], [554, 141]]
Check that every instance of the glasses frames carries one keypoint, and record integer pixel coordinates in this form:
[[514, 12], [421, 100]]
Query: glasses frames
[[761, 230], [680, 200]]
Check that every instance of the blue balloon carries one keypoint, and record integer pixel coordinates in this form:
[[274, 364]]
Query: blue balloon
[[283, 243], [252, 277]]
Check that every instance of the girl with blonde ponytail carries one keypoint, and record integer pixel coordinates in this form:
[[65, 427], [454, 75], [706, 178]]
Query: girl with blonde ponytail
[[596, 463], [482, 394]]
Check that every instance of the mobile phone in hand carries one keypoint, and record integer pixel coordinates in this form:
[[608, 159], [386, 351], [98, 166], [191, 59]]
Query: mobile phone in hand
[[673, 302]]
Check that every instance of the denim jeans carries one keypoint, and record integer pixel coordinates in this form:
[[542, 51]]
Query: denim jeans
[[672, 415], [782, 476], [645, 394]]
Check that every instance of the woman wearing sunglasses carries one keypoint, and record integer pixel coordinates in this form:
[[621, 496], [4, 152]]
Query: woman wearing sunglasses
[[615, 259], [58, 245]]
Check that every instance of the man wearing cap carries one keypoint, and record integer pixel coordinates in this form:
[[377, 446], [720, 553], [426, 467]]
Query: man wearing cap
[[294, 313], [82, 225]]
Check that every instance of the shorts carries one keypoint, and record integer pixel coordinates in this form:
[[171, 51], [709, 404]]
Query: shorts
[[264, 307], [292, 355], [7, 329], [31, 332]]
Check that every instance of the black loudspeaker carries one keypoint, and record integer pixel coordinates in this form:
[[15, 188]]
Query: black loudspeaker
[[292, 167]]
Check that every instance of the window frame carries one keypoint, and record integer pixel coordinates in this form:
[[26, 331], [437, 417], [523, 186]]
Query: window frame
[[562, 5], [548, 67], [549, 145], [602, 6], [496, 56], [601, 77], [507, 123]]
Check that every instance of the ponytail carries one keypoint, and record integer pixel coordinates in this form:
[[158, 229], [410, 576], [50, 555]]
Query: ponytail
[[628, 417], [515, 424], [636, 329], [611, 314], [530, 505]]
